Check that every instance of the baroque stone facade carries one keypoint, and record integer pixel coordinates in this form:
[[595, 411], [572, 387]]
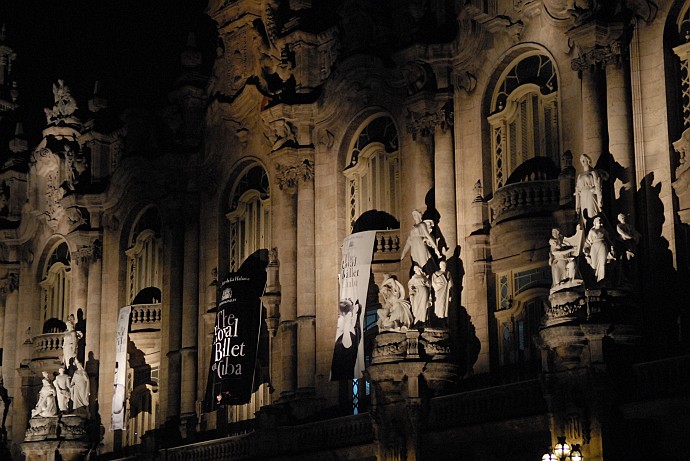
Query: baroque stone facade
[[320, 119]]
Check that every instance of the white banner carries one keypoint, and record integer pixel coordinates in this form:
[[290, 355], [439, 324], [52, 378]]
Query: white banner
[[348, 351], [121, 337]]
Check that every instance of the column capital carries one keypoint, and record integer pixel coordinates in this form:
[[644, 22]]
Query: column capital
[[599, 44], [425, 123], [9, 282], [291, 174], [87, 246]]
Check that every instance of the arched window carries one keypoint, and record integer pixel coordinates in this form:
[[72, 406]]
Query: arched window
[[373, 170], [144, 255], [249, 219], [144, 282], [524, 115], [249, 216], [55, 284]]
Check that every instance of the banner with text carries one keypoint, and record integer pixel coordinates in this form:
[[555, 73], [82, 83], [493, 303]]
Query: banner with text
[[121, 338], [235, 340], [348, 351]]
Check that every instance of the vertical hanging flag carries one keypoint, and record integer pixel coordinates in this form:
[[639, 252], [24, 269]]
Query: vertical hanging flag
[[348, 352], [121, 338], [236, 335]]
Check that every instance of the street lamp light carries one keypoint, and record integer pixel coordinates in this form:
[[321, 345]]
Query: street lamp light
[[564, 452]]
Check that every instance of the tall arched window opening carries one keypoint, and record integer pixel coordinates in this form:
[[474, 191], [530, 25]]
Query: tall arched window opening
[[249, 216], [373, 170], [524, 115], [55, 284]]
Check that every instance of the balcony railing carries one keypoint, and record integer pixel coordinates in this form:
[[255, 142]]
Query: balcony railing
[[314, 437], [387, 247], [490, 404], [524, 198], [146, 317], [47, 346]]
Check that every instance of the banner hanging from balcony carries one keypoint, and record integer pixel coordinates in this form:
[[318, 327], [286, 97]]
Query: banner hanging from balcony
[[236, 334], [121, 337], [348, 351]]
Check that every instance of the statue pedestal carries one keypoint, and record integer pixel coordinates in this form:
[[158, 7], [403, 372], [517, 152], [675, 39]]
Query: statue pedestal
[[408, 369], [52, 438]]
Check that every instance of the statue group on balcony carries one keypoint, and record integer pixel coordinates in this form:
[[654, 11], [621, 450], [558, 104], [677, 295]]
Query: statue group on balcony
[[66, 394], [606, 252], [429, 285]]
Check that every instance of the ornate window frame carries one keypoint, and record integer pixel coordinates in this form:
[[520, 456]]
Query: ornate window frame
[[56, 283]]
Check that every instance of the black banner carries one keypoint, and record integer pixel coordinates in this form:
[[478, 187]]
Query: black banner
[[236, 335]]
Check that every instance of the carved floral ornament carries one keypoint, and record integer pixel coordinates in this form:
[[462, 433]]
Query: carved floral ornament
[[289, 176], [425, 124], [9, 283], [598, 56]]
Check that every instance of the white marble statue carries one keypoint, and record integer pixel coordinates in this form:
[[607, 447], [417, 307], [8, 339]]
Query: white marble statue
[[420, 299], [598, 249], [420, 241], [588, 189], [80, 387], [45, 407], [70, 342], [441, 282], [62, 385], [395, 313]]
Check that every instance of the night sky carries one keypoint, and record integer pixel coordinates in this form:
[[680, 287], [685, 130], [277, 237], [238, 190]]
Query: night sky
[[131, 46]]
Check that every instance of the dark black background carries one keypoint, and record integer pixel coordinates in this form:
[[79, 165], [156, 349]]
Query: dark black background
[[131, 46]]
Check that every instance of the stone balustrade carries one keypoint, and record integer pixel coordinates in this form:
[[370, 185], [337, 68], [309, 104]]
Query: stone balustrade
[[387, 245], [490, 404], [662, 377], [146, 317], [524, 198], [320, 436], [47, 346]]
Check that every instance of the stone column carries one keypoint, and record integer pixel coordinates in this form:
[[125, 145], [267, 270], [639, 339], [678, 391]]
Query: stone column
[[284, 231], [306, 281], [190, 309], [619, 115], [171, 322], [444, 176], [9, 299]]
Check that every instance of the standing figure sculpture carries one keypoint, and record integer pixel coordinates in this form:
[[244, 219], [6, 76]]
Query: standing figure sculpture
[[589, 198], [420, 299], [561, 258], [395, 314], [420, 241], [629, 236], [70, 342], [63, 386], [80, 387], [598, 249], [441, 282], [45, 407]]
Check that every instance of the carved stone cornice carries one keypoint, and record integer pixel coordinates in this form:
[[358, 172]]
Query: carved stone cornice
[[88, 247], [599, 56]]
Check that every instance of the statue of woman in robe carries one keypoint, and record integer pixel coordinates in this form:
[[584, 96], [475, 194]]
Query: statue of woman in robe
[[46, 406], [588, 189]]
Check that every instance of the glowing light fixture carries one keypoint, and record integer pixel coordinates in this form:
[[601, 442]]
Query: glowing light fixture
[[564, 452]]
